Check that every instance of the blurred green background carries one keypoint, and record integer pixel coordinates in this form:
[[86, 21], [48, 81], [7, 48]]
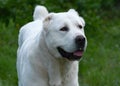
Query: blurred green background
[[100, 65]]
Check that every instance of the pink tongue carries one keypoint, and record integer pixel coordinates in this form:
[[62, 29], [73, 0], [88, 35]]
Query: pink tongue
[[78, 53]]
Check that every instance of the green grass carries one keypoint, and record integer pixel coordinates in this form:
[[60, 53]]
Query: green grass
[[99, 67], [8, 46], [101, 63]]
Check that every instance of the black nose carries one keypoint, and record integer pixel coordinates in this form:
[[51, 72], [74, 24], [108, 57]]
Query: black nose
[[80, 41]]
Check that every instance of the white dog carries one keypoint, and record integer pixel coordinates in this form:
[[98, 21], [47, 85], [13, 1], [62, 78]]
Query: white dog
[[50, 48]]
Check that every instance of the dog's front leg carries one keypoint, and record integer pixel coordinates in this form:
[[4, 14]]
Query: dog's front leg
[[54, 74]]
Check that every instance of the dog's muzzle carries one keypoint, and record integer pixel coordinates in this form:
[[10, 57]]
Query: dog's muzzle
[[71, 55], [78, 53]]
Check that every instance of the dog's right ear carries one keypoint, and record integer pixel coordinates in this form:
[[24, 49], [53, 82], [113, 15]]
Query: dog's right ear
[[73, 11], [47, 21]]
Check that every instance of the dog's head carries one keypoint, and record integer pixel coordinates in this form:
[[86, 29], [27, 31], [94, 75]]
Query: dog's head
[[64, 34]]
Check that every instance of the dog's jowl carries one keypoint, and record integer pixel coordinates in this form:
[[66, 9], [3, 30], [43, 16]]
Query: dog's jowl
[[50, 48]]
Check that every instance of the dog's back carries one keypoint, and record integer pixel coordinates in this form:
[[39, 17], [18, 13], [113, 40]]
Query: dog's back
[[31, 29], [27, 32]]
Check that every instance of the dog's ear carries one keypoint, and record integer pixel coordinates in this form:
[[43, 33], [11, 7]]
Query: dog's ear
[[47, 20], [83, 21], [73, 11]]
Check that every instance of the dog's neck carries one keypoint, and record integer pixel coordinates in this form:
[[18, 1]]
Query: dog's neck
[[42, 44]]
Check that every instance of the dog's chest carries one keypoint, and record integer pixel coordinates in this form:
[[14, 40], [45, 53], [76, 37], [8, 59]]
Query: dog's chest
[[68, 72]]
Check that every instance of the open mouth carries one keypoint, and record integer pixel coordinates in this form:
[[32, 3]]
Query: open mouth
[[76, 55]]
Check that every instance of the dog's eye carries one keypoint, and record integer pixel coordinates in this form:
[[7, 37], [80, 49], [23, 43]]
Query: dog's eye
[[64, 29], [80, 26]]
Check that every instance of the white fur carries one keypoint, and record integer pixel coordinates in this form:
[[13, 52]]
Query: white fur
[[38, 61], [40, 12]]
